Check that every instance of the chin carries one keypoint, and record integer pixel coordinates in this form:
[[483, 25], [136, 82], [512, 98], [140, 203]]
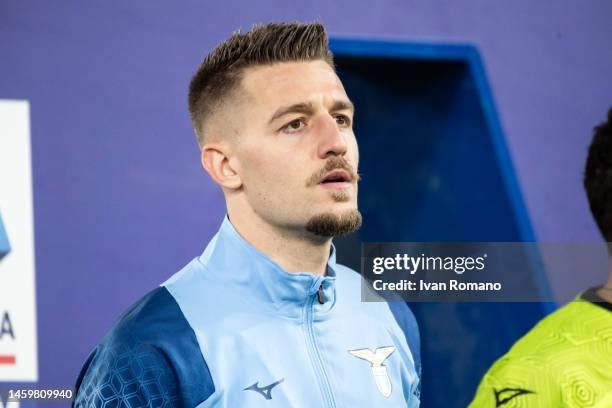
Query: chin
[[335, 223]]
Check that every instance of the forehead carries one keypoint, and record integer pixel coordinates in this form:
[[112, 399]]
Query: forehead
[[293, 82]]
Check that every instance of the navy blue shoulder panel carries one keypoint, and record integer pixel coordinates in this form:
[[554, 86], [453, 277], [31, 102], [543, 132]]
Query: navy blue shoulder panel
[[151, 357], [406, 320]]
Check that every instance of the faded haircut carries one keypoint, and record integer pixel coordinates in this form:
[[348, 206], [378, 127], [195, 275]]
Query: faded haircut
[[220, 72], [598, 177]]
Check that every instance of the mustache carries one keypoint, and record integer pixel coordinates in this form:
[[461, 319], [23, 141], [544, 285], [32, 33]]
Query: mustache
[[333, 163]]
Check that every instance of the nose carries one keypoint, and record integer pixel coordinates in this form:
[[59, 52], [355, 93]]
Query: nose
[[332, 140]]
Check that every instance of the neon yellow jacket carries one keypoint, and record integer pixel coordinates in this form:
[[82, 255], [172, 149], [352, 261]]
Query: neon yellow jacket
[[564, 361]]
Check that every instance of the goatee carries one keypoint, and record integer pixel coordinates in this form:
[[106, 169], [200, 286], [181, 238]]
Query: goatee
[[333, 225]]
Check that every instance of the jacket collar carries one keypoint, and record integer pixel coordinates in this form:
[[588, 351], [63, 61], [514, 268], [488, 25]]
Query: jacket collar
[[231, 257]]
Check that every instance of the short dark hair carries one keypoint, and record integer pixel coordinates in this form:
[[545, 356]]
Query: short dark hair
[[220, 72], [598, 177]]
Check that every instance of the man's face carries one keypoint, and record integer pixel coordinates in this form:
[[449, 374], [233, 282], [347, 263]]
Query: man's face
[[296, 148]]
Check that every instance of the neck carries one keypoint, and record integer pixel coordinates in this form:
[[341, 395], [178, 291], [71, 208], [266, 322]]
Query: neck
[[293, 250], [606, 292]]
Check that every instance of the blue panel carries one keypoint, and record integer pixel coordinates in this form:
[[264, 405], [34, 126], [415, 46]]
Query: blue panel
[[151, 357], [435, 167], [5, 246]]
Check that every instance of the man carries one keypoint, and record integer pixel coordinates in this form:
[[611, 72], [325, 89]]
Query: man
[[265, 317], [566, 359]]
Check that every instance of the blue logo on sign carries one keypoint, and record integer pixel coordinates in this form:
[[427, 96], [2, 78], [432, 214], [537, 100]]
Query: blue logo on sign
[[5, 246]]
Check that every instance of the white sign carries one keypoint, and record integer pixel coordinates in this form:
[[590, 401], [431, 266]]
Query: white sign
[[12, 404], [18, 344]]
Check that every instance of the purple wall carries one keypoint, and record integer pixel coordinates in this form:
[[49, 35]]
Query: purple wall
[[120, 200]]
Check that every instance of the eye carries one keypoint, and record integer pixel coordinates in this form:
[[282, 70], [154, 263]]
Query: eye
[[294, 126], [343, 120]]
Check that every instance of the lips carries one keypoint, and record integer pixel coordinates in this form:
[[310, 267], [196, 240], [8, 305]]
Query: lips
[[336, 176]]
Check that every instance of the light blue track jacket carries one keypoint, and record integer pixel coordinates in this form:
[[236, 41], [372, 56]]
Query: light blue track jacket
[[232, 329]]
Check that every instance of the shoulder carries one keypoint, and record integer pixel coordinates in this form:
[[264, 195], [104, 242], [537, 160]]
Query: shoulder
[[155, 320], [150, 354], [533, 369], [555, 332]]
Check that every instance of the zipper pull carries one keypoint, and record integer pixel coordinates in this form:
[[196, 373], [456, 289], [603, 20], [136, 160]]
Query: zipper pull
[[320, 294]]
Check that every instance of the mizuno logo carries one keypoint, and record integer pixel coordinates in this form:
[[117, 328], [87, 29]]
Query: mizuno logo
[[506, 395], [266, 391], [379, 370]]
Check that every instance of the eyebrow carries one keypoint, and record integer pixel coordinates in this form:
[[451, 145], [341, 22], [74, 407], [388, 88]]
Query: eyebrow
[[308, 109], [343, 105]]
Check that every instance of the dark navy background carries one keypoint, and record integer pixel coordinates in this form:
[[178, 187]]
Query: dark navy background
[[120, 199]]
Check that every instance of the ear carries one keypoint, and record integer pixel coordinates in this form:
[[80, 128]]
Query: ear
[[216, 161]]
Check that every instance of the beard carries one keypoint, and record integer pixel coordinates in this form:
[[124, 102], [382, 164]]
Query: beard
[[333, 225]]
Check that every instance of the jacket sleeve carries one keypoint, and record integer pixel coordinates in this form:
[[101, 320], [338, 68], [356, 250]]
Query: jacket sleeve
[[517, 382], [150, 358], [129, 374]]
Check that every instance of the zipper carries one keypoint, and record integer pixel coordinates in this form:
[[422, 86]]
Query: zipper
[[315, 356], [320, 294]]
